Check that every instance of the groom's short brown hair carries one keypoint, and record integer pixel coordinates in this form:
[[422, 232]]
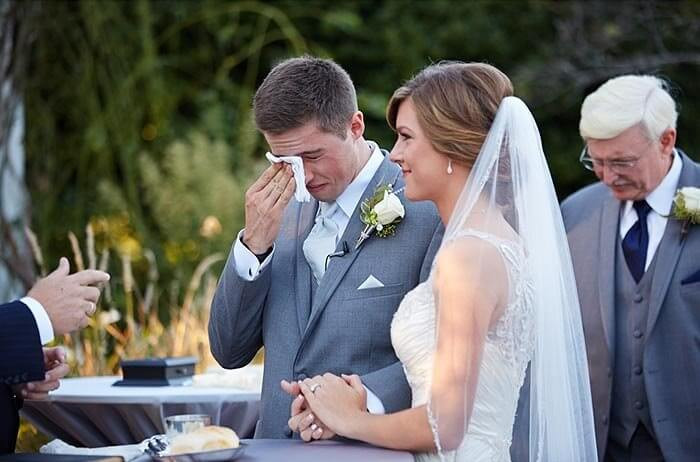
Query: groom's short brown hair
[[305, 89]]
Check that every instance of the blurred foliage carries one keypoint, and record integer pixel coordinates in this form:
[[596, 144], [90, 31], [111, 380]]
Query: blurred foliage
[[29, 438], [138, 112], [128, 322], [138, 117]]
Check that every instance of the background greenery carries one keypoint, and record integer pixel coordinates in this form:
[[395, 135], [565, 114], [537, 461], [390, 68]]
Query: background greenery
[[139, 139]]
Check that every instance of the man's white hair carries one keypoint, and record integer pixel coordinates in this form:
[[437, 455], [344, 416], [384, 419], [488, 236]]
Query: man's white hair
[[625, 101]]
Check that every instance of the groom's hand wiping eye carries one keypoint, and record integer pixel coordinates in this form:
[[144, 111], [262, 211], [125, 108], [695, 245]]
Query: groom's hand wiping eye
[[265, 202]]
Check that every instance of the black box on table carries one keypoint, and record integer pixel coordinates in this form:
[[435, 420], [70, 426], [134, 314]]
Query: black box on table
[[156, 372]]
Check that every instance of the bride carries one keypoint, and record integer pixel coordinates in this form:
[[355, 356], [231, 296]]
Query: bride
[[501, 294]]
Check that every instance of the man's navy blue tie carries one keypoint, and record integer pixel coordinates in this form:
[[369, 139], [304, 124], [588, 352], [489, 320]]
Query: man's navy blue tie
[[636, 241]]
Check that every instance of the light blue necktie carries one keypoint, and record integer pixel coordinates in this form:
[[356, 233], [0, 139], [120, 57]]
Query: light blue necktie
[[321, 240]]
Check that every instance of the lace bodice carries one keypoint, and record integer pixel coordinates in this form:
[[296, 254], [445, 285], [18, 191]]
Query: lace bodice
[[508, 349]]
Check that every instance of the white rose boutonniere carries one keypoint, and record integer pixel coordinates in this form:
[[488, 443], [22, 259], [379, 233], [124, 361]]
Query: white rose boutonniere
[[381, 213], [388, 210], [686, 207]]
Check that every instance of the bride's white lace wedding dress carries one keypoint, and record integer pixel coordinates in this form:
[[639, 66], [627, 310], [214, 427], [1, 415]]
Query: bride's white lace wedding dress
[[508, 349]]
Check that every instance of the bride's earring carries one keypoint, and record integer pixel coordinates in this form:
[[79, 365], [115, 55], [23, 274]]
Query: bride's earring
[[449, 167]]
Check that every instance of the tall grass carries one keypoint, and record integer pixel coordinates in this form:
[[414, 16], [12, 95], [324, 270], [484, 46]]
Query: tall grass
[[128, 322]]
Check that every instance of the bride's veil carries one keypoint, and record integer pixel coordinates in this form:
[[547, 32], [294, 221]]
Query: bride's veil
[[509, 198]]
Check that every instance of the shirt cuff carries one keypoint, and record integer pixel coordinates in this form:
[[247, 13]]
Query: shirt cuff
[[43, 322], [374, 404], [248, 266]]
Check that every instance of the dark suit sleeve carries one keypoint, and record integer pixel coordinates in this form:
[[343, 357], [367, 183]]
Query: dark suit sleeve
[[20, 345], [21, 360], [9, 419]]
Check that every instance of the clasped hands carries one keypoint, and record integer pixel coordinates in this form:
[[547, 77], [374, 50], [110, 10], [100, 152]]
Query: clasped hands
[[56, 369], [323, 406]]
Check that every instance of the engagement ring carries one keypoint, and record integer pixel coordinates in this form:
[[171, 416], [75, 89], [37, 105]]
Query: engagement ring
[[315, 387]]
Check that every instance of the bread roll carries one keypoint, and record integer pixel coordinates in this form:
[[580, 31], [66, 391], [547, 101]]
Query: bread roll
[[209, 438]]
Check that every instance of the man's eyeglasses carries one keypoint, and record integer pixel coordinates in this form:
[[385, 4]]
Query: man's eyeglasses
[[616, 165]]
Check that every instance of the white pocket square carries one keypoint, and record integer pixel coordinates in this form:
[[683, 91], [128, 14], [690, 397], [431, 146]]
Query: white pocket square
[[370, 283]]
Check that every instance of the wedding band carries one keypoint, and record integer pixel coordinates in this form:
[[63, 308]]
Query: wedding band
[[315, 387], [91, 309]]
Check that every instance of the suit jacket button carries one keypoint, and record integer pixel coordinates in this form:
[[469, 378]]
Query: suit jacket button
[[638, 298], [638, 405], [637, 370], [288, 432], [637, 333], [301, 377]]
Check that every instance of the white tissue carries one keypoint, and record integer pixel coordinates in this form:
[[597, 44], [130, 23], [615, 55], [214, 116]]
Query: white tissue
[[128, 452], [301, 193]]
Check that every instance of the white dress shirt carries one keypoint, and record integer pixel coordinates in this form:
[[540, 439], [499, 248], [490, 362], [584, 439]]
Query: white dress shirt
[[43, 323], [249, 267], [660, 200]]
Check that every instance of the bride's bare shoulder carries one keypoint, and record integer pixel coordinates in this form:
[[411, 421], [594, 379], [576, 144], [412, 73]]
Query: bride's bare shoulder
[[474, 264], [469, 252]]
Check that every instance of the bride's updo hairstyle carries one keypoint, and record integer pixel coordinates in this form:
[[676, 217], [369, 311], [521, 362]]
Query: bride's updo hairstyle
[[455, 104]]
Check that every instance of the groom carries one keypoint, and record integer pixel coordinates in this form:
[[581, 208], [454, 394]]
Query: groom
[[294, 281], [638, 274]]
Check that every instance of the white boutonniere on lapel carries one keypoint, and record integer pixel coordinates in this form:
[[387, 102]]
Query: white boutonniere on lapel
[[686, 208], [381, 212]]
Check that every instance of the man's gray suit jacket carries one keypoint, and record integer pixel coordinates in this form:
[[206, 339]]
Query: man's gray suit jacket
[[339, 329], [671, 358]]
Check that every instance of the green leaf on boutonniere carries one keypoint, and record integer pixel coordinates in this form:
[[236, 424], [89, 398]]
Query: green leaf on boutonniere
[[686, 208], [381, 212], [368, 216], [683, 211]]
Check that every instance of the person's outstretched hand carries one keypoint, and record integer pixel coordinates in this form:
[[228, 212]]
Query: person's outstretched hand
[[69, 299]]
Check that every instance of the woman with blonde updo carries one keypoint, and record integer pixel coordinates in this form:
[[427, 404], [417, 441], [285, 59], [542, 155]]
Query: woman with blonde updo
[[501, 294]]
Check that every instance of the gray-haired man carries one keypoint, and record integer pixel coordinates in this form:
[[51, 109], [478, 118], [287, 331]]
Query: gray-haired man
[[638, 275]]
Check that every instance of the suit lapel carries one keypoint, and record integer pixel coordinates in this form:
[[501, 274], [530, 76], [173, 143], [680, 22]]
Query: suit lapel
[[609, 225], [669, 250], [667, 255], [305, 221], [339, 266]]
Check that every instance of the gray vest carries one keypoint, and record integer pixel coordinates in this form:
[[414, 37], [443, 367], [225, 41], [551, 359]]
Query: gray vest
[[629, 404]]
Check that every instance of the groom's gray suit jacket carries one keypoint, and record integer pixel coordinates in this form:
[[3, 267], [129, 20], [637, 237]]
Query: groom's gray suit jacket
[[671, 348], [332, 328]]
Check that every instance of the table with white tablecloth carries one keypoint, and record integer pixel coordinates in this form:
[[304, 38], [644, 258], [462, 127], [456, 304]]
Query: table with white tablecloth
[[90, 412]]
